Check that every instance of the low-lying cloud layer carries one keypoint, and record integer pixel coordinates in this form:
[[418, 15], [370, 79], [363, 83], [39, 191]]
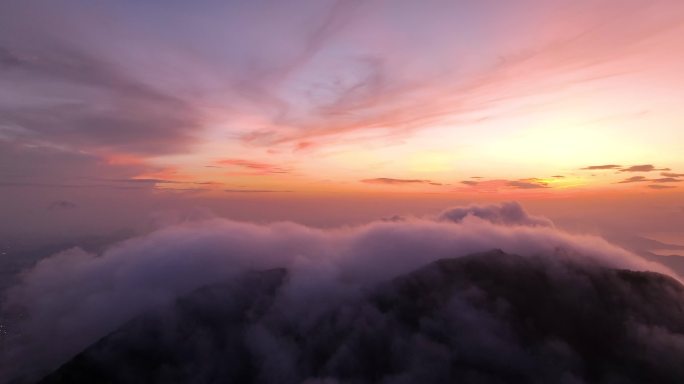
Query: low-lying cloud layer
[[74, 298], [485, 318]]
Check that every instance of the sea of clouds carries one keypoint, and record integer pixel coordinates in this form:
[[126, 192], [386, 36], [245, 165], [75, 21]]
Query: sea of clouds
[[73, 298]]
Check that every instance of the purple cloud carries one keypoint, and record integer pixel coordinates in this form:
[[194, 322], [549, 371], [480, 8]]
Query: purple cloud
[[74, 298]]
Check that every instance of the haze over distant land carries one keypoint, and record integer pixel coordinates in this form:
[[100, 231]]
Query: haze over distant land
[[150, 152]]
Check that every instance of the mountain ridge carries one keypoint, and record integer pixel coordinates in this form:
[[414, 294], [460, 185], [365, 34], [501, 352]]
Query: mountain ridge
[[484, 318]]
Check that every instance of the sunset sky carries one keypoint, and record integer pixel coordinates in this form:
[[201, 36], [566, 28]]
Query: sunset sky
[[217, 101], [338, 191]]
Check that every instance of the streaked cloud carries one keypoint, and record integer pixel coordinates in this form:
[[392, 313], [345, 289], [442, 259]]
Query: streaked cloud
[[256, 191], [333, 79], [634, 179], [521, 184], [256, 166], [666, 180], [643, 168], [392, 181], [639, 179], [89, 102], [527, 184], [660, 186], [599, 167], [62, 205]]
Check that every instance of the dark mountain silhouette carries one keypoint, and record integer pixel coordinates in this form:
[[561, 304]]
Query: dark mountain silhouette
[[484, 318]]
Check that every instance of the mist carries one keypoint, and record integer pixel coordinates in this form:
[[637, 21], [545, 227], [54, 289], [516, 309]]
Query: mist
[[73, 298]]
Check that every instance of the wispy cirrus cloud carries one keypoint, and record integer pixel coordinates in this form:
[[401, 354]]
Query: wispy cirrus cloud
[[297, 85], [377, 92], [22, 164], [90, 102], [312, 76]]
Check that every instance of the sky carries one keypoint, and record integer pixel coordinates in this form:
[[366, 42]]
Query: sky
[[151, 148], [114, 113]]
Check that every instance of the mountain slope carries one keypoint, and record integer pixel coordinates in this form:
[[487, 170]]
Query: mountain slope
[[485, 318]]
